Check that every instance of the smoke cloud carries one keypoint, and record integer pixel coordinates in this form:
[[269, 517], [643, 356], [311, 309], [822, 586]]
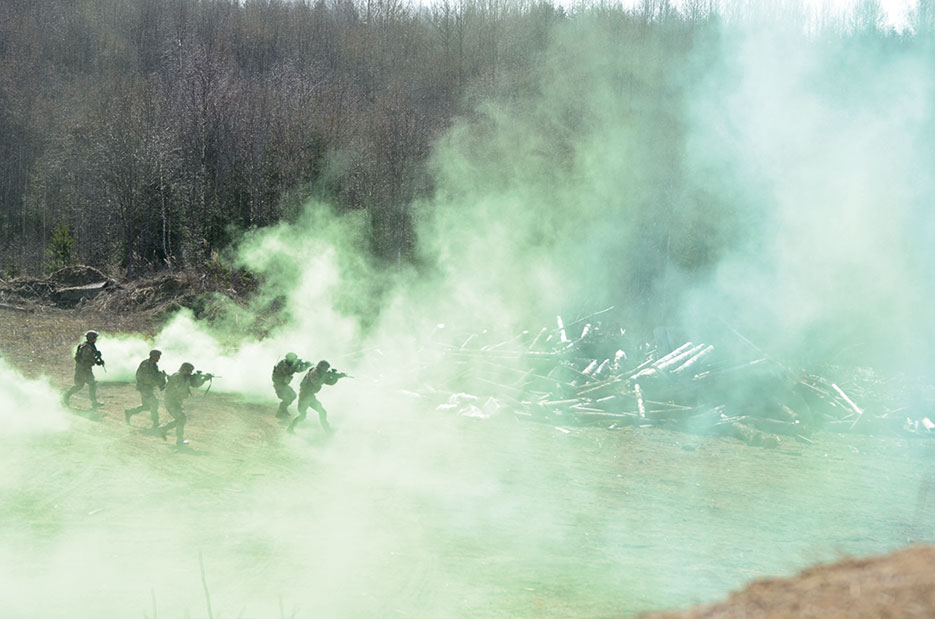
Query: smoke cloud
[[689, 174]]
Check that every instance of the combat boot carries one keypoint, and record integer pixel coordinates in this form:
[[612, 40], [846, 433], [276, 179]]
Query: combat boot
[[127, 414]]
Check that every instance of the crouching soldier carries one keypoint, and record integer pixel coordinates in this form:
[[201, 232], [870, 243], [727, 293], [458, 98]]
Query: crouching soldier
[[148, 378], [178, 387], [86, 357], [311, 384], [282, 376]]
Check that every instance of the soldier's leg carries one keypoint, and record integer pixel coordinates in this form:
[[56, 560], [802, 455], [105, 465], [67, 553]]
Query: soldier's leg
[[322, 415], [303, 407], [175, 411], [80, 379], [287, 396], [127, 413], [71, 391], [180, 428], [92, 392], [152, 403]]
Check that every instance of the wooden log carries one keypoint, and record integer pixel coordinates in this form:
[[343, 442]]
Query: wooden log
[[591, 367], [590, 316], [673, 414], [674, 353], [72, 296], [591, 388], [562, 336], [612, 403], [692, 361], [505, 342], [641, 406], [560, 403], [635, 371], [728, 370], [535, 340], [602, 370], [679, 358], [14, 308]]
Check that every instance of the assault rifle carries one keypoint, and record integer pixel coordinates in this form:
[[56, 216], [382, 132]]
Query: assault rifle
[[99, 360], [208, 377]]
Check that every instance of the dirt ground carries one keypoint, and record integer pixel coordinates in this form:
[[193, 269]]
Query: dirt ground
[[895, 585], [508, 518]]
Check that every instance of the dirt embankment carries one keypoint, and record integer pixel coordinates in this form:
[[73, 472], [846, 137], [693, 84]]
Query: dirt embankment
[[900, 584], [88, 288]]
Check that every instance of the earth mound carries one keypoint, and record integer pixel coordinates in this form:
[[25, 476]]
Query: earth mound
[[79, 275], [900, 584], [88, 288]]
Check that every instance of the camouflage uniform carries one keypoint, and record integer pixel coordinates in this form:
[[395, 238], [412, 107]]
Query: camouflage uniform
[[178, 387], [311, 384], [86, 357], [282, 376], [148, 378]]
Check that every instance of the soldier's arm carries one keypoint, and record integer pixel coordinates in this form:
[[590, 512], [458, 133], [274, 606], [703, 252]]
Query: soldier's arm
[[332, 376], [198, 379]]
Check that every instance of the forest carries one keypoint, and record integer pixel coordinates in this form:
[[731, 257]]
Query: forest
[[143, 135]]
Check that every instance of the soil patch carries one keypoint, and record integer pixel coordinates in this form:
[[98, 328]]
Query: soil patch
[[901, 584]]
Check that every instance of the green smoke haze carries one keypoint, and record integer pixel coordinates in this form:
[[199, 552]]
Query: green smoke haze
[[689, 174]]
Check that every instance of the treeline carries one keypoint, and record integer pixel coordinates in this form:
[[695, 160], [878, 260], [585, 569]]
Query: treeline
[[144, 134]]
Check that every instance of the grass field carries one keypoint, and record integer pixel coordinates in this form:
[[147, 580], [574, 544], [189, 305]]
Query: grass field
[[406, 511]]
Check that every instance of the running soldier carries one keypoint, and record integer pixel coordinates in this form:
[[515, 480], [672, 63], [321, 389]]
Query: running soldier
[[86, 357], [311, 384], [282, 376], [148, 378], [178, 387]]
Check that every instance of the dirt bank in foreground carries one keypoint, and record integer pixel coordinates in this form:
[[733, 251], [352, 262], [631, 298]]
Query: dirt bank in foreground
[[900, 584]]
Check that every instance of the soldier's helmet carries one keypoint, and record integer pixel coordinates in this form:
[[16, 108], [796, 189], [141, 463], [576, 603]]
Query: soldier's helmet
[[186, 367], [291, 357], [323, 365], [155, 353], [91, 335]]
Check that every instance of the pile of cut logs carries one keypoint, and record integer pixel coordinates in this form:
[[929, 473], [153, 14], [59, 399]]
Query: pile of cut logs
[[591, 373]]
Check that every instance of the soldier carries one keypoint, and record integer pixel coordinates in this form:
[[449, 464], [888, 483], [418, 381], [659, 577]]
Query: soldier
[[86, 357], [148, 378], [311, 384], [282, 376], [178, 387]]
